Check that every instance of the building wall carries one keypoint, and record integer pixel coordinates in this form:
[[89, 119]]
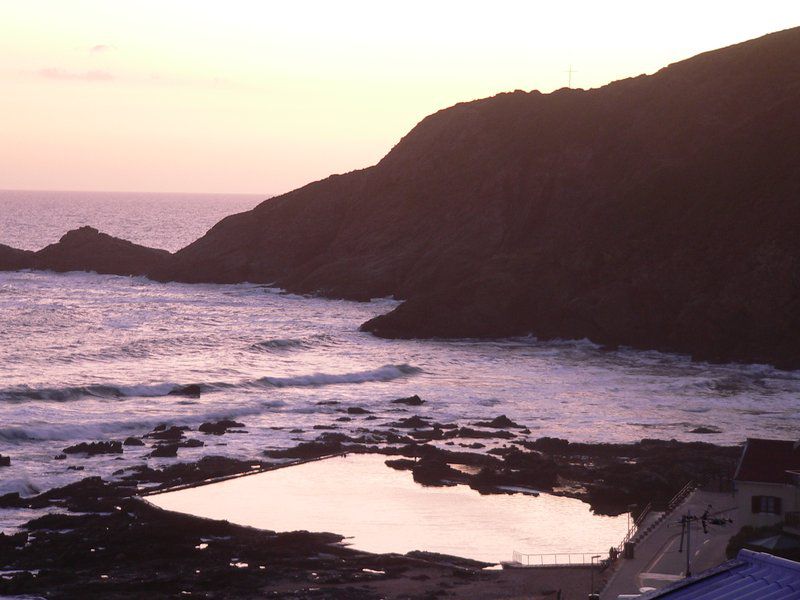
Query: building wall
[[745, 490]]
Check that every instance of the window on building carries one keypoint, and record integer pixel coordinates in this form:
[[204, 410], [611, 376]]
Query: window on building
[[766, 504]]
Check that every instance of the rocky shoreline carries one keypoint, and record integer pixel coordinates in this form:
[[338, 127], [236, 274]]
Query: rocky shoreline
[[97, 538]]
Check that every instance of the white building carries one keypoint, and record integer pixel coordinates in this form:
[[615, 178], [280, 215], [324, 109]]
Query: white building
[[767, 483]]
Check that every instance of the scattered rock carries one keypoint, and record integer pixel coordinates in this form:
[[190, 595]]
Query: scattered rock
[[468, 432], [172, 434], [165, 451], [401, 464], [705, 430], [5, 461], [60, 457], [191, 443], [434, 472], [410, 401], [415, 422], [90, 449], [501, 422], [306, 450], [357, 410], [132, 441], [220, 427], [192, 390]]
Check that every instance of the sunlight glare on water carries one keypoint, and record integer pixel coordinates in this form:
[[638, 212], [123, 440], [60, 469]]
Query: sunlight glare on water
[[382, 510]]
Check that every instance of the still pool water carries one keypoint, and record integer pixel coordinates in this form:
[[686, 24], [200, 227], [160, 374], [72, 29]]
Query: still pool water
[[382, 510]]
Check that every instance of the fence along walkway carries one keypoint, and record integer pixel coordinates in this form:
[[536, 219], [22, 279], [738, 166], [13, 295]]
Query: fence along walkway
[[634, 534], [563, 559]]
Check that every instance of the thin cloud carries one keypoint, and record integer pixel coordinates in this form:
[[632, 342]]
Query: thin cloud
[[100, 48], [64, 75]]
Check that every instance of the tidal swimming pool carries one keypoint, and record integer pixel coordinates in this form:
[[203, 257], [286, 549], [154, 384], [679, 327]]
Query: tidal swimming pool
[[380, 510]]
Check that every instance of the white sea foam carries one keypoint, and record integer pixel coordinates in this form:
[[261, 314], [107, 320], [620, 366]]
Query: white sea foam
[[106, 429], [66, 376], [384, 373], [20, 485]]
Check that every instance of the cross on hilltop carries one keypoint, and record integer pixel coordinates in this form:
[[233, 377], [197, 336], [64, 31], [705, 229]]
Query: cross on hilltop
[[569, 77]]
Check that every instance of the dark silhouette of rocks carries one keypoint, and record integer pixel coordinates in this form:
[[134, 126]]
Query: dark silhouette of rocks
[[86, 249], [414, 422], [165, 451], [705, 430], [192, 443], [172, 433], [655, 212], [12, 259], [92, 448], [501, 422], [219, 427], [410, 401], [192, 390], [5, 461]]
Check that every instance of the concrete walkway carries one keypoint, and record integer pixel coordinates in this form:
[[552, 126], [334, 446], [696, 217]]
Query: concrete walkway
[[658, 562]]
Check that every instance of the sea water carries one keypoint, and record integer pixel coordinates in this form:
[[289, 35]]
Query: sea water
[[383, 510], [86, 357]]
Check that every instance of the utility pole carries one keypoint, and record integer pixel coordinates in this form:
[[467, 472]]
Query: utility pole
[[705, 520], [592, 595], [688, 543], [686, 534]]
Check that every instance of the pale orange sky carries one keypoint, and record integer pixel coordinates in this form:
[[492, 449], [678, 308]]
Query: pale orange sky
[[262, 97]]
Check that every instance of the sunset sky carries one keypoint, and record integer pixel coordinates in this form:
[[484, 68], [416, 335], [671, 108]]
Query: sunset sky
[[261, 97]]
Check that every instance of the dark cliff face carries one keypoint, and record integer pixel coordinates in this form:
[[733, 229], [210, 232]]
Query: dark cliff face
[[86, 249], [659, 212]]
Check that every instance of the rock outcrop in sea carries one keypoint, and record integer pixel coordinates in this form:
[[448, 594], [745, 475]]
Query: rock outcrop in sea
[[12, 259], [87, 249], [658, 211]]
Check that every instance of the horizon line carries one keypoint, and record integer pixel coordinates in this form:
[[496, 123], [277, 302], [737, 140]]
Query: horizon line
[[177, 193]]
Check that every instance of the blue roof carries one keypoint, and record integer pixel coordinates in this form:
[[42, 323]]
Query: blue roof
[[750, 576]]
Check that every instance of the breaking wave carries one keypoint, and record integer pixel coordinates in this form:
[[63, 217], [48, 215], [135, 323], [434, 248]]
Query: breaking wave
[[286, 344], [100, 430], [384, 373], [26, 393]]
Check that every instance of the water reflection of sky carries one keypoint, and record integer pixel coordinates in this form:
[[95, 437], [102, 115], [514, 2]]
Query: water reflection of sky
[[383, 510]]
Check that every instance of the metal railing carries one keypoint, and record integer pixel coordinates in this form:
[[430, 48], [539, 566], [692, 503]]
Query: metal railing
[[674, 503], [680, 496], [634, 529], [562, 559]]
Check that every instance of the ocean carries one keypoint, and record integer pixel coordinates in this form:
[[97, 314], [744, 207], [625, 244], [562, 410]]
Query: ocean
[[87, 357]]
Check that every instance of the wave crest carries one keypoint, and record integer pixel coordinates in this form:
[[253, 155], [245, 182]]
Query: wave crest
[[26, 393], [384, 373]]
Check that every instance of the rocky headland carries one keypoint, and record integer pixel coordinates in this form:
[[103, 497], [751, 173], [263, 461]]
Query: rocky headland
[[655, 212]]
